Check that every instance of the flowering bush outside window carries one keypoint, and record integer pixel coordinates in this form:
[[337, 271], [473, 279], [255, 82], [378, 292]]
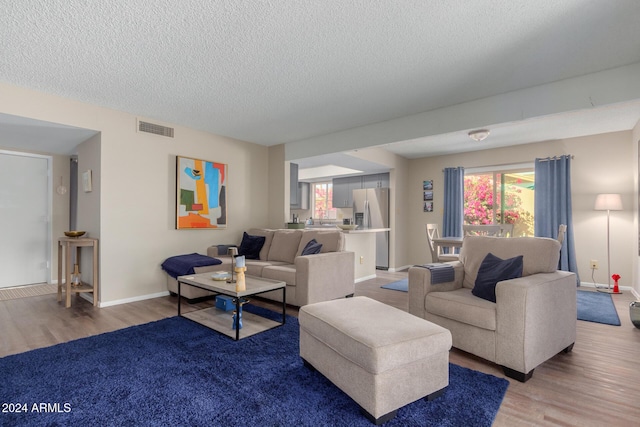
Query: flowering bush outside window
[[323, 201], [500, 198]]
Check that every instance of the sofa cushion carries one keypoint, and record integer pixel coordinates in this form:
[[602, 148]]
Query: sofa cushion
[[540, 254], [284, 246], [268, 238], [285, 273], [332, 240], [494, 270], [254, 267], [462, 306], [312, 248], [250, 246]]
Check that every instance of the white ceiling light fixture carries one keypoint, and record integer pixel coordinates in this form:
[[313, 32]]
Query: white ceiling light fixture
[[479, 135]]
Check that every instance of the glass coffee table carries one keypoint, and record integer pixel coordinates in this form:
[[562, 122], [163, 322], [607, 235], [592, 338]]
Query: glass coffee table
[[223, 321]]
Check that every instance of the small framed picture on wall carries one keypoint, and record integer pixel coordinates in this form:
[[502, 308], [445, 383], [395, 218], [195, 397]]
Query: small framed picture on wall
[[427, 195]]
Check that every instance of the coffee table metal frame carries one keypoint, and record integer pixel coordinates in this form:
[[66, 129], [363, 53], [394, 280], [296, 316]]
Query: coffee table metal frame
[[204, 281]]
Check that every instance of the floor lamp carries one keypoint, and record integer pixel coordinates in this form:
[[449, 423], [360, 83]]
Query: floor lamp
[[608, 202]]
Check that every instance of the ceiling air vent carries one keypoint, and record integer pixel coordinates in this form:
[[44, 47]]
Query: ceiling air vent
[[155, 129]]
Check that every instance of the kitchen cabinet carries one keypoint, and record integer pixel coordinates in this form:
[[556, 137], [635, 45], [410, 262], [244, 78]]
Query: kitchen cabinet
[[294, 195], [343, 191], [343, 187], [299, 191], [378, 180], [303, 195]]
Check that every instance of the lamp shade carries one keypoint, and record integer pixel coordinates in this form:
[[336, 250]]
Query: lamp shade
[[608, 202]]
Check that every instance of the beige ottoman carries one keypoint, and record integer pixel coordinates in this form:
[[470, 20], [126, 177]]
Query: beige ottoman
[[382, 357]]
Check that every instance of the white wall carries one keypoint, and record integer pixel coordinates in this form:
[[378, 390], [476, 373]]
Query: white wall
[[602, 164], [135, 185]]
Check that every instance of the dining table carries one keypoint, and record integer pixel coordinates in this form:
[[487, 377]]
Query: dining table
[[448, 242]]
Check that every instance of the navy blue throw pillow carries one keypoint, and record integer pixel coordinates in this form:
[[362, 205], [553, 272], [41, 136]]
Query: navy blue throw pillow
[[312, 248], [250, 246], [494, 270]]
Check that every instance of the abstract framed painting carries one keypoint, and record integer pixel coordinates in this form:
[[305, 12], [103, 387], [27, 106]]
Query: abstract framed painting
[[201, 194]]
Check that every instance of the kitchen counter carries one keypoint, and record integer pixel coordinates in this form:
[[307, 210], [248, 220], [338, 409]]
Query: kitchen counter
[[333, 226], [366, 230]]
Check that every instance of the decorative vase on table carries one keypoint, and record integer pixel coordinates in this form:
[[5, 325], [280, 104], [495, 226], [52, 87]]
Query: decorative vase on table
[[634, 313]]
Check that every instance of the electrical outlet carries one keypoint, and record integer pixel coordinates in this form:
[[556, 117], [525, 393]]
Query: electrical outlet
[[361, 260], [594, 264]]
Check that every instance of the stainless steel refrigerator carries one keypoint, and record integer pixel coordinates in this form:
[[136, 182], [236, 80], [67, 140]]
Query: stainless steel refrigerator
[[371, 210]]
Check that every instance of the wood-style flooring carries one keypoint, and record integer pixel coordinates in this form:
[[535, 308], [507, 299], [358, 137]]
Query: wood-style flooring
[[597, 384]]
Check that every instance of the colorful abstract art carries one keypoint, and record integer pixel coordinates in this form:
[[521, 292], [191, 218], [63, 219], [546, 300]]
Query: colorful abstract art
[[201, 194]]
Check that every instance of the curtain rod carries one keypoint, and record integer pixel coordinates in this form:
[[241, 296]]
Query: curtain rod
[[555, 158]]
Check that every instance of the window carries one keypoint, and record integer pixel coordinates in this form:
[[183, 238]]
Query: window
[[323, 201], [500, 197]]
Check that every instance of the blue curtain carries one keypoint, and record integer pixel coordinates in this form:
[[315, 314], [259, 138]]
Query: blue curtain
[[553, 206], [453, 214]]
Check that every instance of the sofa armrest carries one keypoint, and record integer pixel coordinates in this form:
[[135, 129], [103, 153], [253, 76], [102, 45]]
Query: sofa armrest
[[212, 251], [324, 276], [536, 318], [420, 285]]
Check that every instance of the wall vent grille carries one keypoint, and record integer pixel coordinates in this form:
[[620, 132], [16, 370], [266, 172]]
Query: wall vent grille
[[155, 129]]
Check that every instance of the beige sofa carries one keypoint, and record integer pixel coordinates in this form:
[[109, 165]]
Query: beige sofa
[[309, 278], [533, 318]]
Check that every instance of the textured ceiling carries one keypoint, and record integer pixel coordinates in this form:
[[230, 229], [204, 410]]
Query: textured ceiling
[[280, 71]]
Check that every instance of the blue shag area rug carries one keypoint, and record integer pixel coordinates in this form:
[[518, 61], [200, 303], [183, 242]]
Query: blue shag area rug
[[177, 372], [597, 307], [400, 285]]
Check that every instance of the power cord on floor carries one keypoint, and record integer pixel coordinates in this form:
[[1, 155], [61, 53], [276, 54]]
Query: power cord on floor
[[593, 272]]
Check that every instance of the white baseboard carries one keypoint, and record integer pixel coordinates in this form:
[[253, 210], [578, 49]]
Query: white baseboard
[[401, 268], [127, 300], [604, 285], [362, 279]]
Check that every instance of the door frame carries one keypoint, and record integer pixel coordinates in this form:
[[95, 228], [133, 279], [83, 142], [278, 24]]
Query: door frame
[[49, 236]]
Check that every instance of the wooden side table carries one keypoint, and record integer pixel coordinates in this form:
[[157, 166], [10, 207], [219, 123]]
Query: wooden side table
[[65, 246]]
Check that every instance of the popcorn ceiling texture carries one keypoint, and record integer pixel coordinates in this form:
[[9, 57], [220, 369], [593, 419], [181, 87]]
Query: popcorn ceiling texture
[[278, 71]]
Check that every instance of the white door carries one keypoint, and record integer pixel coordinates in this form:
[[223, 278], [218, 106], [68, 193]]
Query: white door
[[24, 219]]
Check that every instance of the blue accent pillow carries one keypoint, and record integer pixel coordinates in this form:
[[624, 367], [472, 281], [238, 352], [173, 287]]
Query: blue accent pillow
[[251, 245], [312, 248], [494, 270]]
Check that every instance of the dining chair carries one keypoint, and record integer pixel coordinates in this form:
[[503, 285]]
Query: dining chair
[[436, 252], [506, 230], [562, 229], [482, 230]]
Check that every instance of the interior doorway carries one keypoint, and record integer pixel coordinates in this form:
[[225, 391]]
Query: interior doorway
[[25, 218]]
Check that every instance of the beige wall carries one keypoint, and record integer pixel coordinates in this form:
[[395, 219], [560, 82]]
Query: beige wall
[[89, 202], [134, 177], [602, 164]]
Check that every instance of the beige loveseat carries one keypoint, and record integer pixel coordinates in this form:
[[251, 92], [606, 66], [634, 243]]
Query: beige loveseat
[[533, 318], [309, 278]]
